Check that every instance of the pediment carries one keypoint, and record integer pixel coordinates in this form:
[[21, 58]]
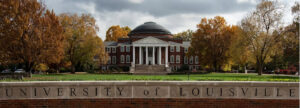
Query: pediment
[[150, 40]]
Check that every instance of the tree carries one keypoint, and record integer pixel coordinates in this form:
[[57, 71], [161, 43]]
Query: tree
[[290, 39], [211, 42], [101, 53], [296, 11], [239, 49], [82, 43], [258, 27], [29, 34], [116, 32], [185, 35]]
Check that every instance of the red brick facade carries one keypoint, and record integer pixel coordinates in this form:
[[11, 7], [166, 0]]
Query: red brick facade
[[150, 103], [151, 32], [174, 65]]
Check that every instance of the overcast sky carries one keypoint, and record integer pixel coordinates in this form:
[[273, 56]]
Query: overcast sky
[[174, 15]]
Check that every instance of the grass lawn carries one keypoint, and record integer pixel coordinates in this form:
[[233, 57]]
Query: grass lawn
[[193, 77]]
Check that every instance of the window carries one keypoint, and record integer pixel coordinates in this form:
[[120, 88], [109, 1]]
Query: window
[[178, 59], [196, 60], [113, 50], [191, 60], [177, 48], [114, 60], [109, 60], [107, 49], [127, 48], [172, 59], [186, 50], [122, 48], [171, 48], [128, 59], [122, 59], [186, 60]]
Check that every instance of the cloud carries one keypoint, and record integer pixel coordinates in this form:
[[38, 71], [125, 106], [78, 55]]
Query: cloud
[[175, 15], [160, 8], [136, 1]]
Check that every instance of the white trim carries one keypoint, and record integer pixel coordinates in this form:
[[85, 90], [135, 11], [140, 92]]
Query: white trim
[[133, 55], [114, 59], [153, 55], [186, 49], [127, 48], [127, 58], [107, 49], [115, 49], [147, 62], [122, 49], [122, 59], [109, 60], [186, 60], [172, 48], [196, 60], [177, 48], [172, 59], [191, 61], [177, 58], [140, 55], [150, 41], [159, 55]]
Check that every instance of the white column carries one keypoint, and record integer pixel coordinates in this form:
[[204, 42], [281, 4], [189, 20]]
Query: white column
[[153, 56], [133, 55], [147, 55], [140, 55], [159, 55], [166, 56]]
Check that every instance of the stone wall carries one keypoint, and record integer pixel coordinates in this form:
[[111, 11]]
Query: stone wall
[[138, 94]]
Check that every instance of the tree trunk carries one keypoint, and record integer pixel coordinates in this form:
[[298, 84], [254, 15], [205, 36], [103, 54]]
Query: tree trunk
[[57, 68], [259, 67], [28, 67], [215, 67], [73, 69]]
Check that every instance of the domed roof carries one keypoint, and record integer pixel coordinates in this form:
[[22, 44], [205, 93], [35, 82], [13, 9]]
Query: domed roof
[[150, 28]]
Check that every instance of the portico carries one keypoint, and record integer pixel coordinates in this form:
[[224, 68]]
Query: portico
[[150, 51]]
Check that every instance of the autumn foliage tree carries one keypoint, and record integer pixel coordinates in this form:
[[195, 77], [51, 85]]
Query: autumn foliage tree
[[29, 34], [259, 29], [239, 49], [116, 32], [211, 42], [82, 43]]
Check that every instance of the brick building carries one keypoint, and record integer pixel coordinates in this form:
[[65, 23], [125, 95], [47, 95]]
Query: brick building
[[150, 47]]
